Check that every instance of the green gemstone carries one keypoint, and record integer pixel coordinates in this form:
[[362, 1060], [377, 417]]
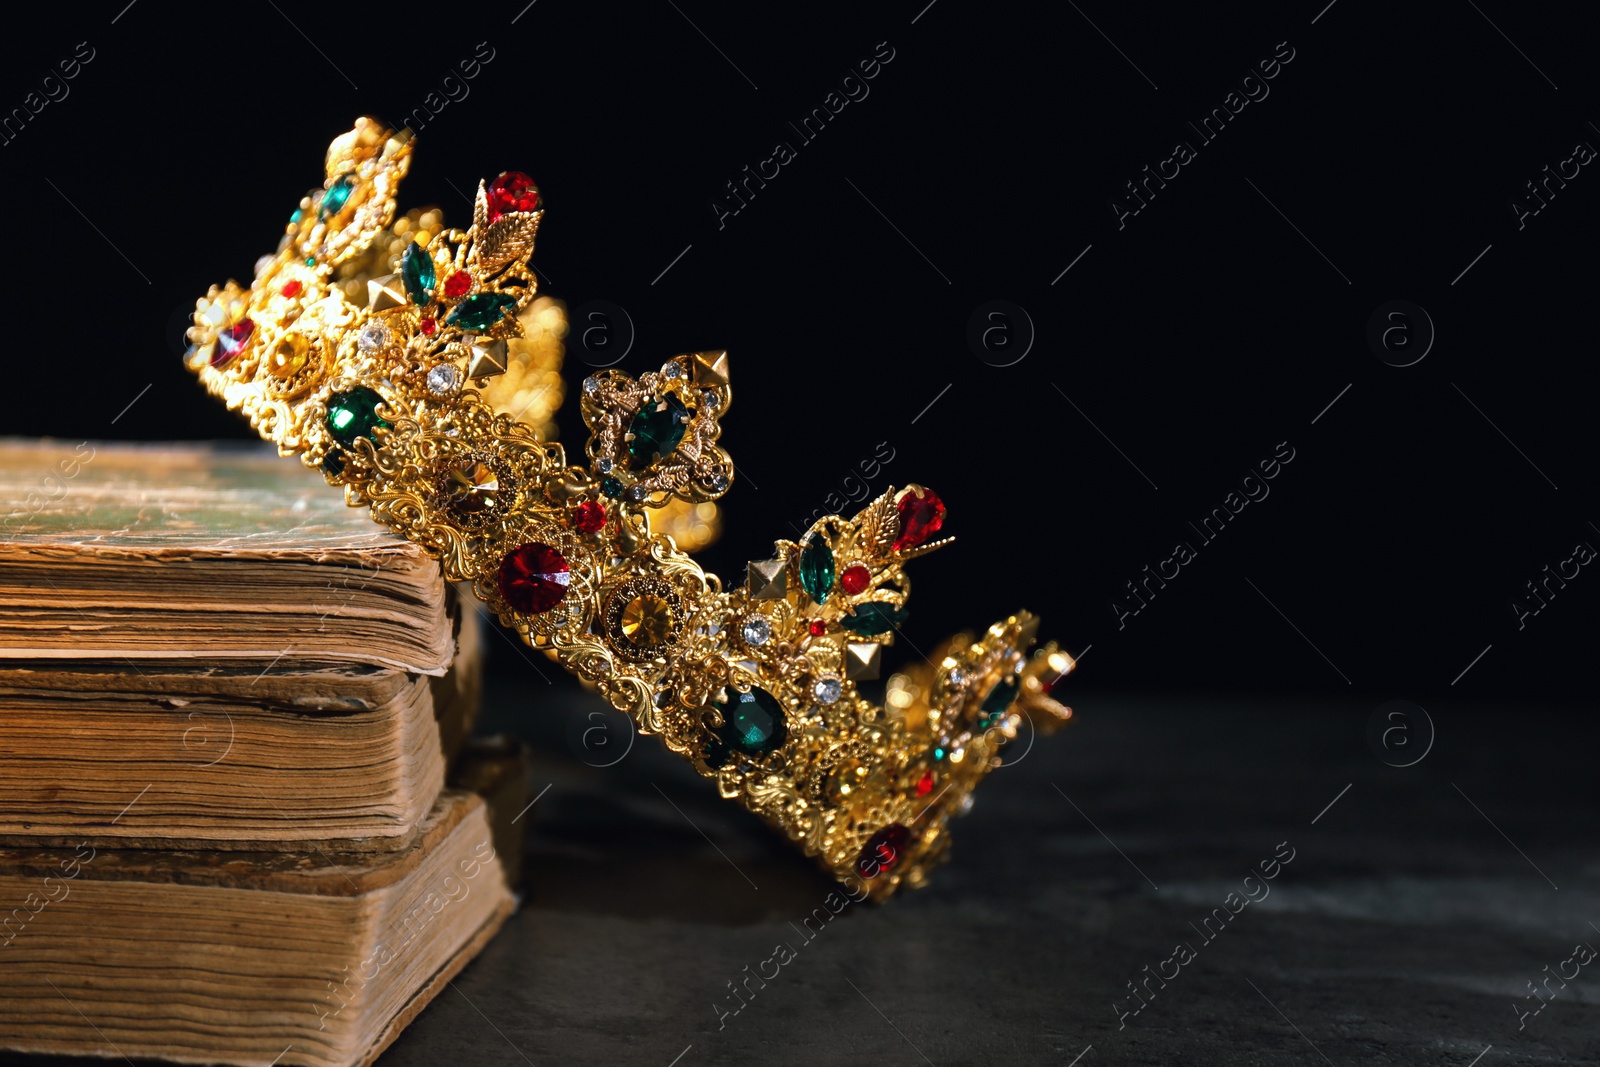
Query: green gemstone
[[873, 618], [416, 270], [337, 196], [311, 261], [479, 312], [996, 701], [353, 414], [611, 487], [753, 723], [816, 568], [333, 462], [656, 430]]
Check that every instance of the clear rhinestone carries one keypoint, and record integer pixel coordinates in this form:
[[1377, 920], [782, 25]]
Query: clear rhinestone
[[719, 483], [958, 677], [826, 690], [444, 379], [372, 338], [672, 370], [757, 630], [964, 805], [591, 385], [709, 399], [605, 466], [636, 492]]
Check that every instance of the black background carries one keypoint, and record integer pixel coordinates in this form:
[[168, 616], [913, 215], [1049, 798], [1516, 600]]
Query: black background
[[1198, 336]]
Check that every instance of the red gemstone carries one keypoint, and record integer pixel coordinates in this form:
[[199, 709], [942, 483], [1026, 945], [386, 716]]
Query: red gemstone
[[428, 326], [457, 284], [925, 784], [533, 578], [231, 341], [855, 579], [512, 191], [292, 289], [882, 851], [818, 627], [920, 518], [589, 516]]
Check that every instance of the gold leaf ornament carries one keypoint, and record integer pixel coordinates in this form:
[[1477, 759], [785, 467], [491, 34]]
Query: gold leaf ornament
[[506, 240]]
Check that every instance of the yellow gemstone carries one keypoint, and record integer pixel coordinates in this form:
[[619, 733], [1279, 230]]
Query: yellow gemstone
[[472, 487], [289, 356], [646, 620]]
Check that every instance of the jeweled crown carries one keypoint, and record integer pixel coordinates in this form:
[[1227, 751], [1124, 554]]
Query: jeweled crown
[[369, 346]]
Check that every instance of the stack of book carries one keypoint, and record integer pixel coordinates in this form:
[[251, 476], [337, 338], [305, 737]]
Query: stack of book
[[229, 706]]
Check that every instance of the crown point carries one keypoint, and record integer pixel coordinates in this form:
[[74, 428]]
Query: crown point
[[710, 368], [511, 191], [767, 579]]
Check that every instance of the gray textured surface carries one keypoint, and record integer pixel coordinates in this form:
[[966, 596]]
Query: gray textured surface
[[1403, 931]]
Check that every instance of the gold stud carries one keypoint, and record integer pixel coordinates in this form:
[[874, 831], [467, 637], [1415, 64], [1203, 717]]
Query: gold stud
[[385, 293], [863, 660], [711, 368], [488, 359], [767, 579]]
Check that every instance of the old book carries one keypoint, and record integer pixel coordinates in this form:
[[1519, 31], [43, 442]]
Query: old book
[[171, 672], [184, 552], [242, 958], [341, 757]]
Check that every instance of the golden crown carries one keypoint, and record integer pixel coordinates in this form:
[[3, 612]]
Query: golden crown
[[370, 346]]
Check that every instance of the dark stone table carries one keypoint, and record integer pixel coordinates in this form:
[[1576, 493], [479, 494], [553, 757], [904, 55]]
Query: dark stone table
[[1418, 904]]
